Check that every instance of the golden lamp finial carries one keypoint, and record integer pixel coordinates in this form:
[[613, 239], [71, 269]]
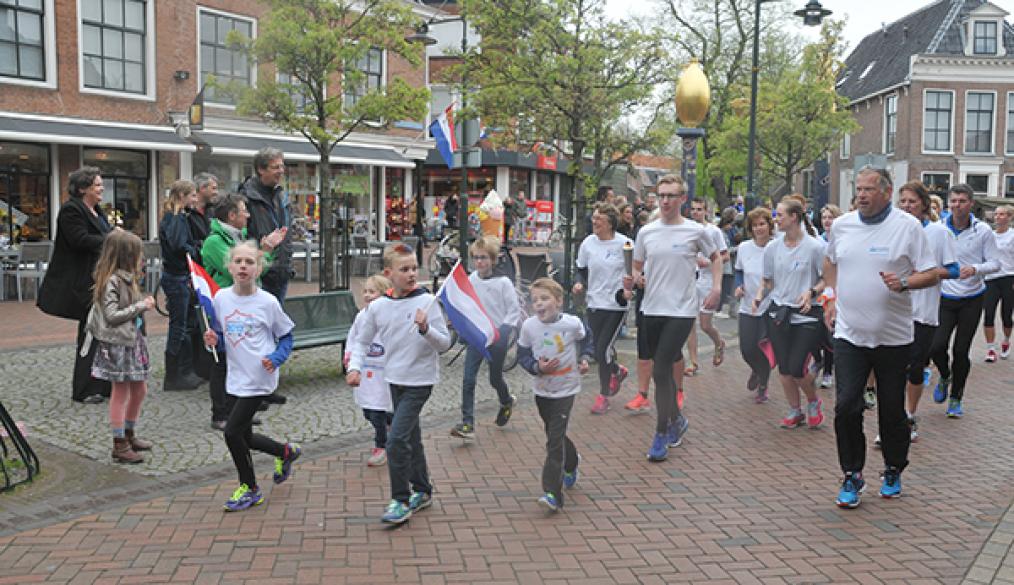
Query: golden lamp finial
[[693, 95]]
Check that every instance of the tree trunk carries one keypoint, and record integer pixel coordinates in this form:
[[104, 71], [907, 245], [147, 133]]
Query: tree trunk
[[721, 192], [328, 232], [577, 195]]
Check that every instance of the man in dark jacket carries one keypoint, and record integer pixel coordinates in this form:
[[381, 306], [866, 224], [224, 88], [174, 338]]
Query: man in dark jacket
[[270, 210], [67, 288], [200, 216]]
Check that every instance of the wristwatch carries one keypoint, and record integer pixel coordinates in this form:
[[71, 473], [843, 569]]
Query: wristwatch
[[904, 283]]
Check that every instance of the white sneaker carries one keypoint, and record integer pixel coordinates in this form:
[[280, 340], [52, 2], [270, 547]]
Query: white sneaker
[[377, 458], [1005, 350], [876, 442], [827, 381]]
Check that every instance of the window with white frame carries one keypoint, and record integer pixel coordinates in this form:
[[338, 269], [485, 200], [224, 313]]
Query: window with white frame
[[845, 149], [441, 97], [984, 38], [1010, 123], [21, 39], [937, 183], [978, 183], [113, 40], [890, 122], [295, 91], [370, 68], [979, 122], [226, 64], [1008, 186], [936, 121]]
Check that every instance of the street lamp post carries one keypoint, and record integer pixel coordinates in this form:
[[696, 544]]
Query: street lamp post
[[421, 35], [693, 98], [812, 14]]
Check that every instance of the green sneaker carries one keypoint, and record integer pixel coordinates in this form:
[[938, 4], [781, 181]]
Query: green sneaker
[[464, 431], [283, 465], [420, 501], [505, 412], [244, 498], [397, 513]]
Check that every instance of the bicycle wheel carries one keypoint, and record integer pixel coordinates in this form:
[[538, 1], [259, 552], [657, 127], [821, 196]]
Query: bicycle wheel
[[511, 358]]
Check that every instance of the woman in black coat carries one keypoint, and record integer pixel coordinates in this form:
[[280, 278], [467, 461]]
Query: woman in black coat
[[67, 288]]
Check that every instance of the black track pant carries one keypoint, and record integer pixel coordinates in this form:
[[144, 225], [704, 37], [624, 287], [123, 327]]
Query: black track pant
[[963, 315], [666, 337], [605, 325], [999, 291]]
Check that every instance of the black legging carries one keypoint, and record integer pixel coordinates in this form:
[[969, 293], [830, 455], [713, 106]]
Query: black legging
[[665, 337], [962, 314], [997, 290], [795, 344], [751, 331], [240, 438], [605, 326]]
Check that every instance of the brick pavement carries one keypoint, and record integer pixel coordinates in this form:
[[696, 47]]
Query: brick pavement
[[740, 502]]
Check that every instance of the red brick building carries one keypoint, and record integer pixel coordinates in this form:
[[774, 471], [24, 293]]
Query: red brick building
[[109, 82], [934, 95]]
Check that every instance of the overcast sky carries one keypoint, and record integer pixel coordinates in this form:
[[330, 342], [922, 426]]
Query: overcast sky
[[864, 16]]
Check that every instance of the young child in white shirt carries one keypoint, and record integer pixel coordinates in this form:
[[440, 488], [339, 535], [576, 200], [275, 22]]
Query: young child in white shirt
[[409, 322], [258, 333], [498, 298], [548, 349], [373, 394]]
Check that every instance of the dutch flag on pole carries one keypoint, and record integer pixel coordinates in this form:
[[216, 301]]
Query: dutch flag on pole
[[442, 130], [466, 313], [204, 286]]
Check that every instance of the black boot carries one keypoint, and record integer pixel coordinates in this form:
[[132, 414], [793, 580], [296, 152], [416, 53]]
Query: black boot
[[185, 363], [173, 380]]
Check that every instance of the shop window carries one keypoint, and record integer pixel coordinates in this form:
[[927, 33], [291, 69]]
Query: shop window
[[543, 186], [24, 192], [937, 183], [521, 181], [400, 210], [21, 39], [125, 175], [225, 64]]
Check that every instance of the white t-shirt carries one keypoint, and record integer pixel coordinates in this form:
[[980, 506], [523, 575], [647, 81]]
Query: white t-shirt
[[793, 270], [251, 325], [604, 261], [671, 251], [750, 260], [869, 314], [498, 297], [926, 301], [1005, 244], [373, 392], [704, 280], [558, 340]]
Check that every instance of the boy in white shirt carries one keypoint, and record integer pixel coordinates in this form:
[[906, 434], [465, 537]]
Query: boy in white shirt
[[498, 297], [548, 349], [411, 325]]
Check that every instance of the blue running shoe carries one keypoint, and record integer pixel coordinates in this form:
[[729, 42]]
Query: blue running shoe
[[677, 430], [244, 498], [940, 392], [891, 487], [659, 447], [283, 465], [549, 502], [851, 491], [569, 479], [927, 375], [419, 501], [397, 513], [954, 409]]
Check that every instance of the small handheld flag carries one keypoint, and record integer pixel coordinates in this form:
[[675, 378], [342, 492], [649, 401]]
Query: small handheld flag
[[466, 313]]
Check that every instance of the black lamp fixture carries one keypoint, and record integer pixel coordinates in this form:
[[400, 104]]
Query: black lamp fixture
[[422, 36], [812, 13]]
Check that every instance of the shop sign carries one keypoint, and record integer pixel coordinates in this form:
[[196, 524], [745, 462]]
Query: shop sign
[[546, 162]]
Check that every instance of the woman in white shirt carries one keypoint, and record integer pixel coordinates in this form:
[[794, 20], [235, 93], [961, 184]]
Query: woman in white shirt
[[1000, 286], [753, 330], [792, 273]]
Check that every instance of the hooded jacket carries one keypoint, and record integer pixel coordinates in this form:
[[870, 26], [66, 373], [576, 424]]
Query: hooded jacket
[[215, 253], [269, 209], [114, 319]]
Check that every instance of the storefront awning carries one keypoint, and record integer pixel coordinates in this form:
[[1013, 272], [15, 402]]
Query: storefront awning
[[301, 150], [86, 133]]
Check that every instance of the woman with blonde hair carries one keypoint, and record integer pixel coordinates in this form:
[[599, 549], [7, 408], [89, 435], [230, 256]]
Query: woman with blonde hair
[[177, 243]]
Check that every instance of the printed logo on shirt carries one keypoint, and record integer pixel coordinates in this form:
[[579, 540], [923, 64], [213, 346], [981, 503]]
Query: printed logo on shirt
[[238, 326], [376, 350], [879, 250]]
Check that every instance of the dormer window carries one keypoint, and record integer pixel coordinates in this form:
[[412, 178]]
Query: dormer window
[[984, 37]]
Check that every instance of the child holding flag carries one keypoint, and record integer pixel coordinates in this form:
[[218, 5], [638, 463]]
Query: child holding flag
[[496, 295], [408, 321], [259, 337], [548, 349], [228, 227]]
